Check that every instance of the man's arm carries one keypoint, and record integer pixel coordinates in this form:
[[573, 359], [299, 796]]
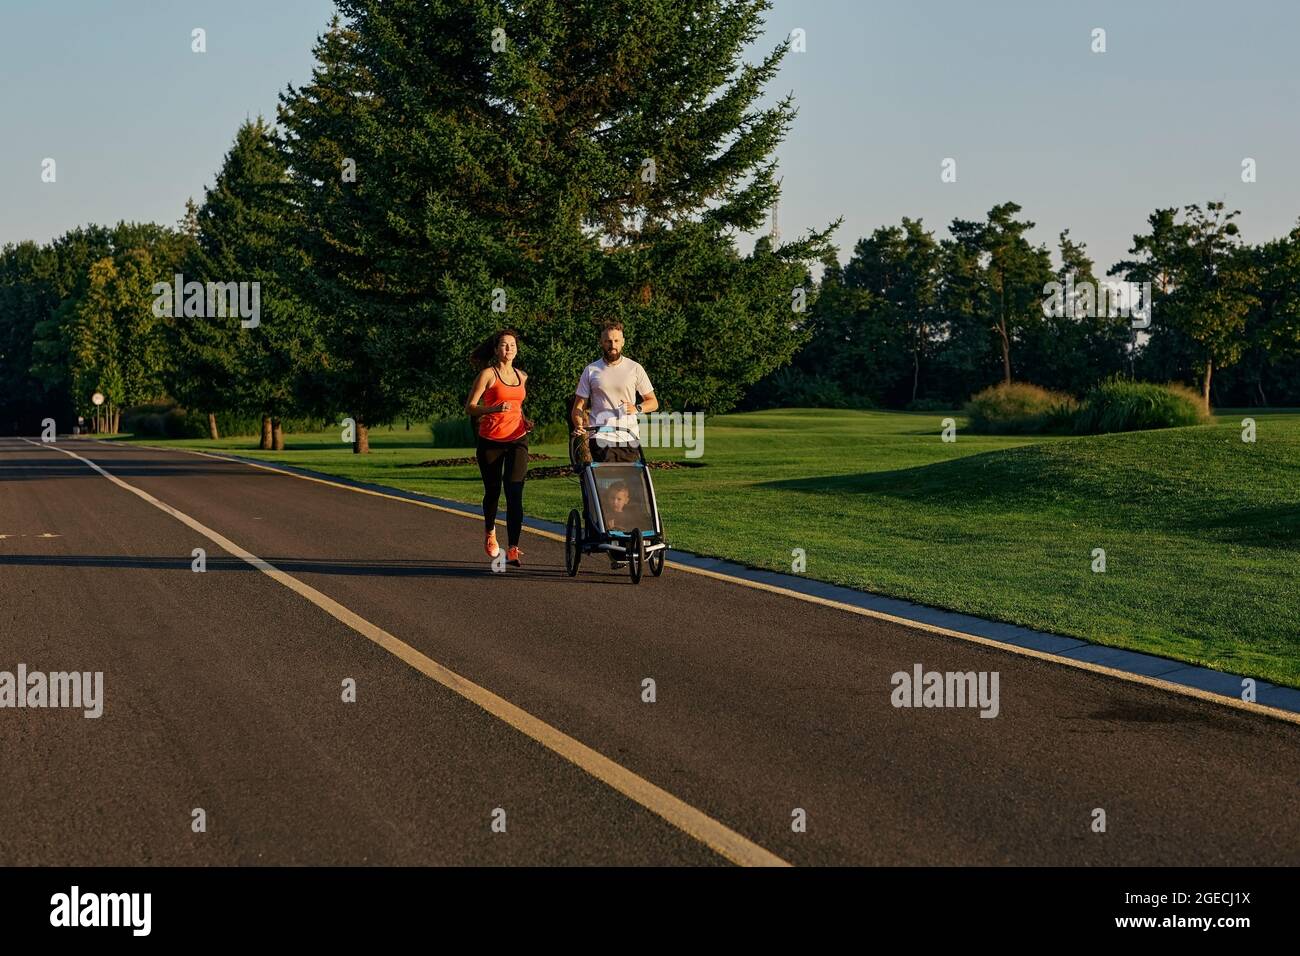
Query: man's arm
[[648, 403], [578, 415], [578, 410], [647, 392]]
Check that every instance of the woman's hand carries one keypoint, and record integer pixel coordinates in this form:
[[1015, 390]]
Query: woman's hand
[[503, 407], [528, 424]]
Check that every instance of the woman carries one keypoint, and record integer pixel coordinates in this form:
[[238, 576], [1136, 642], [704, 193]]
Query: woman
[[495, 404]]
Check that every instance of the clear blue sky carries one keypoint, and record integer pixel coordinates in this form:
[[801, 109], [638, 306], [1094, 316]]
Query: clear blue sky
[[886, 91]]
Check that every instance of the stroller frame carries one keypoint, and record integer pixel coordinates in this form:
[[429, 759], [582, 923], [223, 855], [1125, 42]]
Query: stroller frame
[[639, 547]]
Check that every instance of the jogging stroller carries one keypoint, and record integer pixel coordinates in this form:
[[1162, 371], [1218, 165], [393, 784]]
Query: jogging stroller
[[619, 499]]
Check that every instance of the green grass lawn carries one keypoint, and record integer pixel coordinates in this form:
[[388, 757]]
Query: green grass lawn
[[1201, 530]]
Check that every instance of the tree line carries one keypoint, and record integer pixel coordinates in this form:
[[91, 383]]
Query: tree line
[[912, 320], [448, 169]]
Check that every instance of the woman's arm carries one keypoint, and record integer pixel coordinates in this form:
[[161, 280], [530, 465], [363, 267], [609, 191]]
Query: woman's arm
[[529, 424], [472, 408]]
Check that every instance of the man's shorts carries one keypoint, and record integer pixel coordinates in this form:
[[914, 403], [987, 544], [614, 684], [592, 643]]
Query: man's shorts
[[601, 452]]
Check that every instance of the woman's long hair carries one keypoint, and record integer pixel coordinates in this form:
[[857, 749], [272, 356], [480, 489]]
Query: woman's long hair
[[486, 352]]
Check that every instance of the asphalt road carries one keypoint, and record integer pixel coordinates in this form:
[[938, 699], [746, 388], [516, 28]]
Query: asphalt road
[[223, 691]]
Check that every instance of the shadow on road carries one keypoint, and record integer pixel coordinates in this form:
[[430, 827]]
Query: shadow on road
[[436, 569], [44, 469]]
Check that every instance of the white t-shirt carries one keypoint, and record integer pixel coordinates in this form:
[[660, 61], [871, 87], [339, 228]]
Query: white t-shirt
[[604, 386]]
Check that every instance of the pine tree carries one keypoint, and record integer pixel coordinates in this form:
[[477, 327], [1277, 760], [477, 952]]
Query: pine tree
[[241, 236], [899, 267], [967, 361], [200, 368], [574, 162], [358, 365], [1014, 277]]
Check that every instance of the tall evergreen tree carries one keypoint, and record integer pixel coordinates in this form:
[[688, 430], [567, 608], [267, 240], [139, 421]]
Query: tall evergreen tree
[[1015, 276], [357, 367], [546, 165], [242, 234], [899, 267], [200, 369], [967, 360]]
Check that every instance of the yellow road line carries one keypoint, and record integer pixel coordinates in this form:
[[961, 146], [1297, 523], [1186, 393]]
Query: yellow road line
[[717, 836], [1181, 689]]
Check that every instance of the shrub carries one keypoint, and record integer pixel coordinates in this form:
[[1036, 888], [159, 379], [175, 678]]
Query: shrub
[[1118, 405], [1018, 409]]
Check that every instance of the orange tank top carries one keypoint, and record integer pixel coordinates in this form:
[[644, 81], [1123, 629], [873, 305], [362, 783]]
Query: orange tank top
[[503, 426]]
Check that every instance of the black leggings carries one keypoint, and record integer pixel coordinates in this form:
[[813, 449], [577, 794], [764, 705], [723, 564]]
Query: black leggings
[[506, 462]]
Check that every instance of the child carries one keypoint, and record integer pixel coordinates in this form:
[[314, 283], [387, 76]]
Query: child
[[617, 496]]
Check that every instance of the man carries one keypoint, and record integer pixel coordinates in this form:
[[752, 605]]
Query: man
[[608, 388]]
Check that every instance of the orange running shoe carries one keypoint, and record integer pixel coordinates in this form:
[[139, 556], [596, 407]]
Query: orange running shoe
[[513, 556], [490, 545]]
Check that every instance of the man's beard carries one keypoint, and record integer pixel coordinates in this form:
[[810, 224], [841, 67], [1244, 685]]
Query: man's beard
[[612, 355]]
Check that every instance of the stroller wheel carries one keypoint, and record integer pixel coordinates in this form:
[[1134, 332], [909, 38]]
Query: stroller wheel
[[636, 556], [573, 543], [656, 561]]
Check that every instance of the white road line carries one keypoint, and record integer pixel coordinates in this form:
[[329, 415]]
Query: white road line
[[717, 836]]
